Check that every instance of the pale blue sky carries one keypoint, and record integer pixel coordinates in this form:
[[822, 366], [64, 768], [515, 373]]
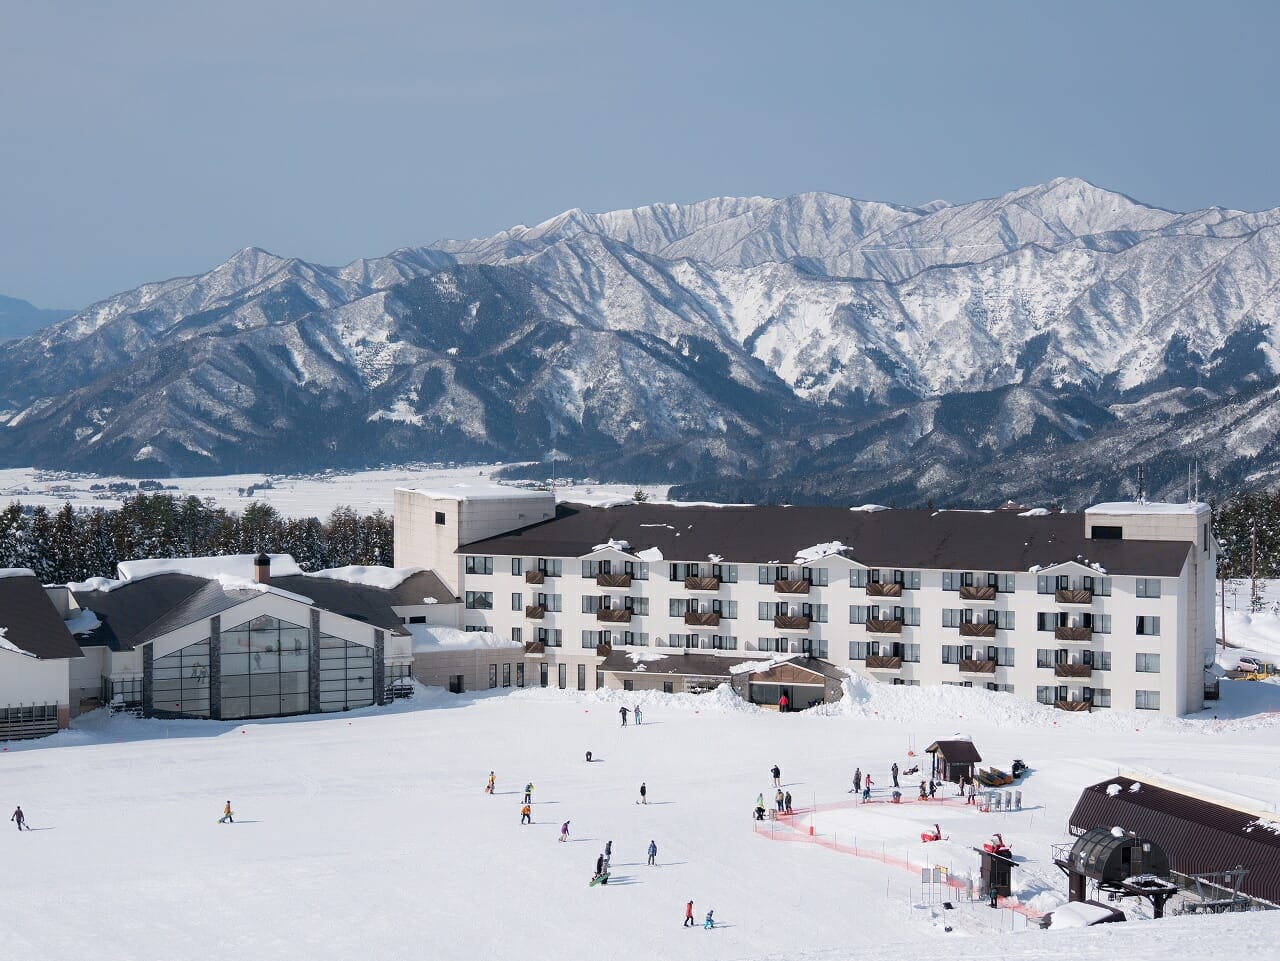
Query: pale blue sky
[[142, 140]]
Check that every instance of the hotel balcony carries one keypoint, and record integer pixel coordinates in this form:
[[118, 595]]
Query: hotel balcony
[[884, 590], [977, 630], [614, 615], [791, 587], [1074, 597], [613, 580], [702, 619], [880, 626], [702, 583]]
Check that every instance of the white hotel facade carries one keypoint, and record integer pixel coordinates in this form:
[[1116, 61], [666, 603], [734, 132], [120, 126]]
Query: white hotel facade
[[1109, 608]]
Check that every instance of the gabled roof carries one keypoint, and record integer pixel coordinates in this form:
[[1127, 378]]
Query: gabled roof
[[958, 751], [129, 609], [908, 539], [1198, 835], [31, 622]]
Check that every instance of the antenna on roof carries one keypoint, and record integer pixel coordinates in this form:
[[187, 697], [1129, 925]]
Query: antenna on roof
[[1197, 476], [1141, 493]]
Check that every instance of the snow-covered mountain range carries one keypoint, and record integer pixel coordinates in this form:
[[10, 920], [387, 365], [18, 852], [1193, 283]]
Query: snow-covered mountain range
[[1037, 344]]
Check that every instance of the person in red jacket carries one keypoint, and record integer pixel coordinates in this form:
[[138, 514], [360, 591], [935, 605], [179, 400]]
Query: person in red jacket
[[782, 703], [688, 916]]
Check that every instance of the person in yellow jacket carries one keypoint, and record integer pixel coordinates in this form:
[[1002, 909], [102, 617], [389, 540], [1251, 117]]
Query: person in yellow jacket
[[226, 815], [488, 788]]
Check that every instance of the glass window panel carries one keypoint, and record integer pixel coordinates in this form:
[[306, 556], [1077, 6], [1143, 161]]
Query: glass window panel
[[237, 685], [293, 683], [235, 707], [265, 662], [232, 642], [293, 661], [235, 664], [293, 703], [264, 684]]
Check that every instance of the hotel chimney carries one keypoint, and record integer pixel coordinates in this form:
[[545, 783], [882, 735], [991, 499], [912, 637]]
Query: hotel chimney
[[262, 569]]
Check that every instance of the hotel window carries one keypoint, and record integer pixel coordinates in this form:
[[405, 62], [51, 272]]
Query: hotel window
[[724, 642], [506, 675], [1146, 700], [582, 677], [479, 600], [1148, 587], [953, 653], [439, 517], [517, 635], [517, 566], [638, 570], [1045, 695], [1101, 660], [1148, 626], [858, 577], [595, 568], [517, 601], [1006, 583], [549, 566], [519, 674], [728, 573], [493, 675], [1147, 663], [479, 565], [910, 580], [563, 676], [1046, 584], [1101, 697], [1003, 620]]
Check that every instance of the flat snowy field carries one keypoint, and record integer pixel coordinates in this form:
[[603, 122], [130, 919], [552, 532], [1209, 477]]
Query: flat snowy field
[[368, 835], [293, 496]]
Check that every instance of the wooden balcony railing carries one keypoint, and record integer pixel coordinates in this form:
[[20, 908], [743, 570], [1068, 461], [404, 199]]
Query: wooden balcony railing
[[614, 615], [977, 667], [977, 630], [791, 622], [702, 619], [613, 580], [1073, 633], [881, 626], [535, 577], [1074, 597], [702, 583], [604, 650], [884, 590], [791, 587], [971, 593], [1072, 705], [534, 612], [1072, 670], [883, 662]]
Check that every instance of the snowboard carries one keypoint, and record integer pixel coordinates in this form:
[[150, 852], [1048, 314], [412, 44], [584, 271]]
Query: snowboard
[[598, 879]]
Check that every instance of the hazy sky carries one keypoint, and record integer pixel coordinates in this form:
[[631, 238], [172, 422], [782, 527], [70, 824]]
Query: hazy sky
[[140, 141]]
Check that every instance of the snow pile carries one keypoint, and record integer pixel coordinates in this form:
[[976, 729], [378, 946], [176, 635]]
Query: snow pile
[[603, 500], [83, 622], [16, 572], [433, 638], [869, 508], [388, 578], [818, 551], [1264, 824], [1135, 787], [1122, 508], [1078, 914], [612, 544], [234, 566], [8, 645], [1036, 512], [1113, 789], [650, 554], [715, 558]]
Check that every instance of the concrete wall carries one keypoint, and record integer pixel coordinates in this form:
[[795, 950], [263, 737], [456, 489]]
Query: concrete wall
[[26, 681], [437, 668], [86, 675]]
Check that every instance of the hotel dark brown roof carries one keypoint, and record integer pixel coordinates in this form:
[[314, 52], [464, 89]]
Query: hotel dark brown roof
[[906, 539], [1198, 835]]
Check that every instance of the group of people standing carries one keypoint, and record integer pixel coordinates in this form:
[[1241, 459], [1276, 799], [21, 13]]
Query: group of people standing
[[636, 715]]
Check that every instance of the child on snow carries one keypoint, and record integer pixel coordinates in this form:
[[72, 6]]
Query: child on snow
[[21, 819], [564, 831], [710, 922]]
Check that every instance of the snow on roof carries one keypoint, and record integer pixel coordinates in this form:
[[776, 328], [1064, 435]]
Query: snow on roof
[[613, 544], [434, 638], [754, 667], [17, 572], [869, 508], [649, 554], [1121, 508], [233, 565], [388, 578], [818, 551], [84, 622], [637, 657], [603, 500], [8, 645], [1036, 512], [479, 492]]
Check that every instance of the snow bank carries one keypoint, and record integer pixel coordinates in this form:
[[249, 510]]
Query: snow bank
[[431, 638], [387, 578], [84, 622], [818, 551], [1078, 914], [604, 500]]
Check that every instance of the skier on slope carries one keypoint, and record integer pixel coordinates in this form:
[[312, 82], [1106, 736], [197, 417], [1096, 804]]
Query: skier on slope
[[564, 831], [636, 716], [622, 712], [19, 818], [488, 788], [644, 793], [710, 923], [688, 916], [226, 814], [528, 793], [777, 775], [608, 850], [653, 853], [787, 803], [857, 780]]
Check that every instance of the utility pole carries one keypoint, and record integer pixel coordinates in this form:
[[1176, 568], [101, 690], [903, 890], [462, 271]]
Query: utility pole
[[1253, 569]]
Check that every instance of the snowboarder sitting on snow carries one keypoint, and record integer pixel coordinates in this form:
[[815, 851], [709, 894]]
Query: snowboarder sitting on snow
[[19, 817], [710, 922], [226, 815]]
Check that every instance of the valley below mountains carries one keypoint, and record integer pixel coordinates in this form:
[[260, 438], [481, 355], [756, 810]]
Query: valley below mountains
[[1039, 347]]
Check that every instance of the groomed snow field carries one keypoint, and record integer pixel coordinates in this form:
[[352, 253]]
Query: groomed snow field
[[369, 835]]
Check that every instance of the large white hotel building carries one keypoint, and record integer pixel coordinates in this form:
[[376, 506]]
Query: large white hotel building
[[1109, 608]]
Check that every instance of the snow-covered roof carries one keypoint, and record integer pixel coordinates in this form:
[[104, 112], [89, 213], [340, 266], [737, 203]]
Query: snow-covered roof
[[649, 554], [428, 638], [479, 492], [230, 565], [1121, 508], [387, 578], [819, 551], [8, 645], [16, 572], [613, 545], [1079, 914]]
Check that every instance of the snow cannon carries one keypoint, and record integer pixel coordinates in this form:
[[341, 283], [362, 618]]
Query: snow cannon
[[997, 846]]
